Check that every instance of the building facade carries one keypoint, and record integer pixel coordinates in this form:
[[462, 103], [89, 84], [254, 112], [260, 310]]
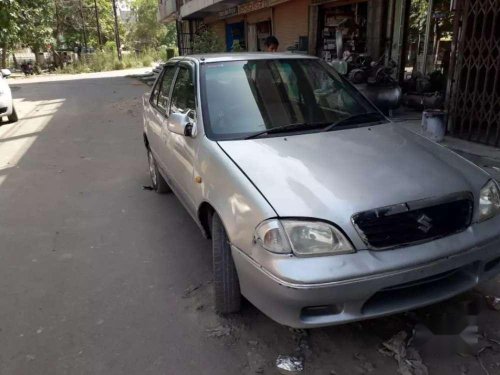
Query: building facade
[[303, 26], [458, 39]]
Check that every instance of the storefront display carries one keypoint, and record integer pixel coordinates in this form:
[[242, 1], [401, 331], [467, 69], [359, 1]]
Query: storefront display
[[342, 30]]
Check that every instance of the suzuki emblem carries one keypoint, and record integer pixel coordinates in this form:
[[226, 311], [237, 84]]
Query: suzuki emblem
[[425, 223]]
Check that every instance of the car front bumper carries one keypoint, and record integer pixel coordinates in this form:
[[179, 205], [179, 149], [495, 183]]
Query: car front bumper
[[5, 105], [368, 294]]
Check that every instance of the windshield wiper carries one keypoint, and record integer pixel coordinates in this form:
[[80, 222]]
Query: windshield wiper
[[358, 116], [290, 127]]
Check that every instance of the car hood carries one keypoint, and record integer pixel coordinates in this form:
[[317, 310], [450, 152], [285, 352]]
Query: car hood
[[333, 175]]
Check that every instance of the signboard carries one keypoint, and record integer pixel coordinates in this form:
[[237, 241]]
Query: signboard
[[340, 2], [252, 6], [248, 7], [229, 12], [276, 2]]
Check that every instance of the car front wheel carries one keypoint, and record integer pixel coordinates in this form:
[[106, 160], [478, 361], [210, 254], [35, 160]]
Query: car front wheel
[[159, 183], [226, 282]]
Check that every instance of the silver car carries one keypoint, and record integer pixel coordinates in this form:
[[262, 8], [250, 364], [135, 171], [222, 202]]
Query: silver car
[[321, 211]]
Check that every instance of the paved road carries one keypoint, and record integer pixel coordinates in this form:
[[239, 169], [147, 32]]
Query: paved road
[[98, 276]]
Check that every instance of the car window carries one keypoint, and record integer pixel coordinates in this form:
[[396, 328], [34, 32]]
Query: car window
[[154, 94], [241, 98], [164, 91], [183, 94], [290, 82]]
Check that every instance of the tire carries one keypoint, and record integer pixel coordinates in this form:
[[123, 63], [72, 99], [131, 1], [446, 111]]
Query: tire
[[13, 117], [226, 282], [157, 180]]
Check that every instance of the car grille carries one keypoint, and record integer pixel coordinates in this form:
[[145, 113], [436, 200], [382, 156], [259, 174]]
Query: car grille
[[413, 222]]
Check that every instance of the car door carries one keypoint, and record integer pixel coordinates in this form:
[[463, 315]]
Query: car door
[[160, 103], [150, 109], [182, 149]]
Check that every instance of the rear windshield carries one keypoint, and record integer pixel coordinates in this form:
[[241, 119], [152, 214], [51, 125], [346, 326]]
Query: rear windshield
[[241, 98]]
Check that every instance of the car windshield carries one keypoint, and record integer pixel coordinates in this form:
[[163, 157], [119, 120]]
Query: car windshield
[[245, 98]]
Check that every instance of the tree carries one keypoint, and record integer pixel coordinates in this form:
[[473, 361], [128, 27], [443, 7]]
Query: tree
[[25, 22], [170, 39], [9, 26], [36, 31], [441, 25], [206, 41], [146, 31], [418, 18], [75, 26]]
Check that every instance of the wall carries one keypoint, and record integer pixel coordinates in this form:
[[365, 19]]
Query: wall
[[290, 22], [219, 28]]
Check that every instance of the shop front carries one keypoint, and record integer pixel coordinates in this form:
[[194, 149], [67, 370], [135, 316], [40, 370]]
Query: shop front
[[325, 28], [259, 27], [341, 30], [235, 36], [245, 27]]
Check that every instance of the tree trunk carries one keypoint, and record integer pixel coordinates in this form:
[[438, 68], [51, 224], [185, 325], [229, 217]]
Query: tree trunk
[[4, 55], [36, 51]]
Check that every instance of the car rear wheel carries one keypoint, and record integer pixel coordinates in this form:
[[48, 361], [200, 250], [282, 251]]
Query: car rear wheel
[[226, 282], [13, 117], [159, 183]]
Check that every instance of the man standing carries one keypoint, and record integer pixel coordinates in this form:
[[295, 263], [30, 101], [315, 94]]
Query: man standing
[[271, 44]]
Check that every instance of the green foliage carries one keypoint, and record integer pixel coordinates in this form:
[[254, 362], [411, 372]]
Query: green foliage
[[73, 24], [146, 31], [26, 23], [118, 65], [207, 41], [147, 60], [238, 48], [66, 24], [108, 60], [170, 39], [110, 46], [418, 18]]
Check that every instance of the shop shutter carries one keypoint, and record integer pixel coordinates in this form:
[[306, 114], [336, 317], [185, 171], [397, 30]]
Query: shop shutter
[[219, 28], [474, 86], [290, 22]]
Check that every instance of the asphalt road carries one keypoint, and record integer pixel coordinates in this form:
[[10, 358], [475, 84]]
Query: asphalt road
[[98, 276]]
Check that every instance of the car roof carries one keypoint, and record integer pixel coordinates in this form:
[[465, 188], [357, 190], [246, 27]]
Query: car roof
[[235, 56]]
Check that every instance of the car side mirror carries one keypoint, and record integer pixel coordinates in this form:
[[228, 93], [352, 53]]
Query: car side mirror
[[181, 123], [6, 73]]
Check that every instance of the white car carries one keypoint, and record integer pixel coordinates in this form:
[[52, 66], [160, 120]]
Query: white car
[[6, 103]]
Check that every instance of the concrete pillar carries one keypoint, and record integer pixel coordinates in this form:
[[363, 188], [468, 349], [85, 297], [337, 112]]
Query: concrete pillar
[[313, 29], [398, 37], [375, 29]]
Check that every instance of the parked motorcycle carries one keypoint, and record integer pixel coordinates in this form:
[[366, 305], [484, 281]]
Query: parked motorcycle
[[424, 92], [373, 78], [27, 68]]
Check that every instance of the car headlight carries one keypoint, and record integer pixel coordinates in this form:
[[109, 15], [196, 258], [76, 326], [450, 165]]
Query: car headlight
[[303, 238], [489, 201]]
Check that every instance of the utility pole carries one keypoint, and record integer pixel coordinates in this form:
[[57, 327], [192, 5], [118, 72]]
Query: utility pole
[[99, 39], [117, 32], [57, 32]]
